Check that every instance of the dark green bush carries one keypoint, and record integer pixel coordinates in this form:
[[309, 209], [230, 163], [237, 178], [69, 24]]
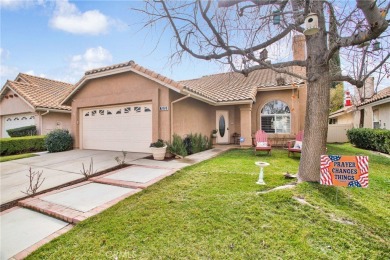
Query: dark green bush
[[23, 131], [370, 139], [177, 146], [160, 143], [18, 145], [196, 143], [59, 140]]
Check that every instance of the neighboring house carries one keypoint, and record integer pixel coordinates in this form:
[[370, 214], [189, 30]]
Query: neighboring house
[[30, 100], [378, 109], [126, 106], [375, 112]]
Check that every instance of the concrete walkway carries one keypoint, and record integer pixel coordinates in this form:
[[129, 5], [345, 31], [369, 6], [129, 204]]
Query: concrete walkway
[[57, 168], [67, 206]]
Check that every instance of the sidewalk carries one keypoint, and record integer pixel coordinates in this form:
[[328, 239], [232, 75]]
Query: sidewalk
[[66, 207]]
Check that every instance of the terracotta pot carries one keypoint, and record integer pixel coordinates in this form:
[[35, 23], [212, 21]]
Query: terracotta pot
[[159, 152]]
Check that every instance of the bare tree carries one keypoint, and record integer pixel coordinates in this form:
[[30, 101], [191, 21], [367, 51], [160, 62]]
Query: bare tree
[[35, 181], [236, 32]]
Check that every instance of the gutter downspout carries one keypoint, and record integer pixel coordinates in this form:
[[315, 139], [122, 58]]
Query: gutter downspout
[[41, 123], [173, 102]]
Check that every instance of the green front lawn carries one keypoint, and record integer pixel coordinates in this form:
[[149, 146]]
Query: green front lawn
[[212, 211], [15, 157]]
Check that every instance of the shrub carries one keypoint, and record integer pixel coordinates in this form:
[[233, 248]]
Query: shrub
[[188, 144], [160, 143], [177, 146], [59, 140], [196, 143], [370, 139], [18, 145], [23, 131]]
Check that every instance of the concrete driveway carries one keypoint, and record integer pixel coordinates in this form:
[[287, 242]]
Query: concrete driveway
[[58, 168]]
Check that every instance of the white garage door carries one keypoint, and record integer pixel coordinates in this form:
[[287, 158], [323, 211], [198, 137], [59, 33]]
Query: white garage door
[[118, 128], [15, 121]]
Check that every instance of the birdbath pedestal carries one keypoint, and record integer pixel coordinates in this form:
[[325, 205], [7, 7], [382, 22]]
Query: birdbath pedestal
[[261, 175]]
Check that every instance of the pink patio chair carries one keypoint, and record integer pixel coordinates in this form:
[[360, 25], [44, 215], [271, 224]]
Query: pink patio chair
[[297, 146], [261, 142]]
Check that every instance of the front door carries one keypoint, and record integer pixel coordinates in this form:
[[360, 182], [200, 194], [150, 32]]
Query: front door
[[222, 125]]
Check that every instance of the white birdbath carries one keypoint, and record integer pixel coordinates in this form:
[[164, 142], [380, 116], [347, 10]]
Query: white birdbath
[[261, 175]]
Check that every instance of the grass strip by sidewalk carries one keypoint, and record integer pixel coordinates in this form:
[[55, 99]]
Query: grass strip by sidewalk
[[16, 157], [212, 210]]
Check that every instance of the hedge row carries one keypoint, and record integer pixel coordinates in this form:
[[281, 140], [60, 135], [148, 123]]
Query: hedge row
[[18, 145], [23, 131], [370, 139]]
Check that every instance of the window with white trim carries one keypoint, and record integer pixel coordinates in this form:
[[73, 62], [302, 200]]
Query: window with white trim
[[275, 117]]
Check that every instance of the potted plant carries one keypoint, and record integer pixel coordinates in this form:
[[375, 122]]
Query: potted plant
[[214, 133], [159, 149]]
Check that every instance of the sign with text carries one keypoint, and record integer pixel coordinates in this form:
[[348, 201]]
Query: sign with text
[[347, 171], [163, 108]]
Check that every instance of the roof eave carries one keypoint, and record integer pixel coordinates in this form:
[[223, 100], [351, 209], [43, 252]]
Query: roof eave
[[57, 110], [273, 88], [7, 86], [375, 103], [105, 73]]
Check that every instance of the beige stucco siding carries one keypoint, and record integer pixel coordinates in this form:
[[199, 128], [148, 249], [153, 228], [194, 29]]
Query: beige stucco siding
[[296, 105], [124, 88], [53, 121], [384, 115], [193, 116], [367, 118], [345, 118], [15, 105]]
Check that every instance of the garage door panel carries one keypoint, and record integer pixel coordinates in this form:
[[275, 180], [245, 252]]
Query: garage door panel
[[16, 121], [127, 127]]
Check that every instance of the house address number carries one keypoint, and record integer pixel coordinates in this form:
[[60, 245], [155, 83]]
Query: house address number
[[164, 108]]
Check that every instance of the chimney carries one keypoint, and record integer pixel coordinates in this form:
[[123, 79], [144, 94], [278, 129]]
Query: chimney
[[365, 92], [299, 47]]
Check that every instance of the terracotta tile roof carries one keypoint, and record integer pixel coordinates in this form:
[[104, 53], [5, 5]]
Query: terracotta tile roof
[[384, 93], [234, 86], [40, 92]]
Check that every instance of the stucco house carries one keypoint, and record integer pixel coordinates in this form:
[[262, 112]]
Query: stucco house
[[31, 100], [126, 106], [378, 110], [372, 113], [375, 110]]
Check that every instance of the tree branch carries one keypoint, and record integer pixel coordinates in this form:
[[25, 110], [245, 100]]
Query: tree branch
[[277, 67], [377, 67], [376, 21], [352, 81], [228, 3]]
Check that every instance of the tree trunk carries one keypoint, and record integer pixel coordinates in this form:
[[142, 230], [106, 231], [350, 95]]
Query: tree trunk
[[317, 107]]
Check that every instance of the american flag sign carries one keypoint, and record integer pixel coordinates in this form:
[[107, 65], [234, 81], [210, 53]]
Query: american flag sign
[[347, 171]]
